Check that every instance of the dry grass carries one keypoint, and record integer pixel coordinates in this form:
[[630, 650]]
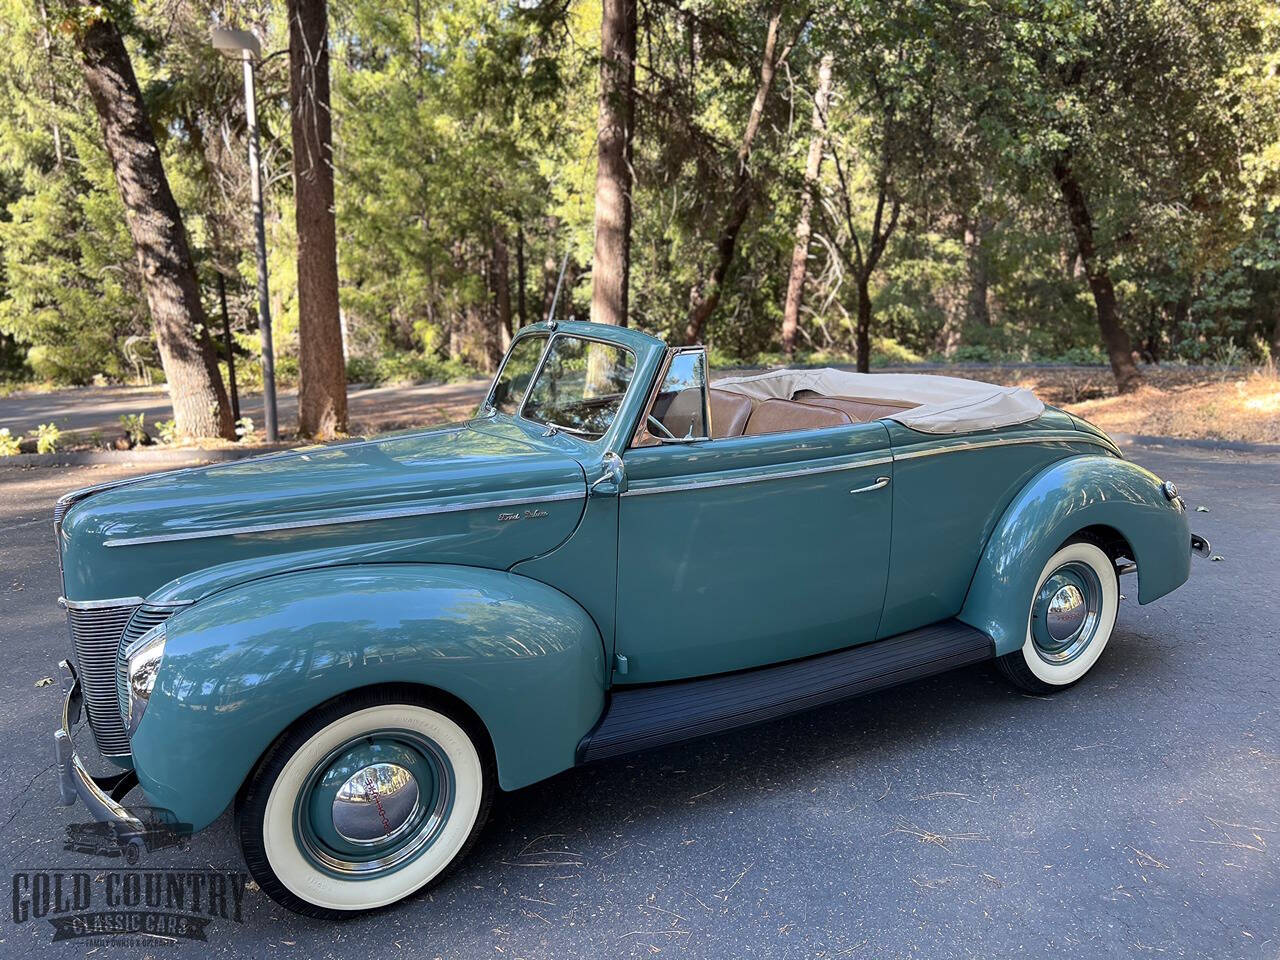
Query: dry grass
[[1193, 403], [1245, 409]]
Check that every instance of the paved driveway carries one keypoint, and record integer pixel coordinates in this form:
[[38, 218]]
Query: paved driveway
[[1136, 815], [88, 409]]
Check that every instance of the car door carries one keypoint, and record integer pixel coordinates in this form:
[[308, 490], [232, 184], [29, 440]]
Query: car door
[[743, 551]]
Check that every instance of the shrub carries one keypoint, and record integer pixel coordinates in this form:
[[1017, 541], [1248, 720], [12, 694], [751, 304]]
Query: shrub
[[134, 427], [362, 369], [404, 368], [975, 353], [47, 436], [889, 353], [1081, 356], [167, 430], [8, 443]]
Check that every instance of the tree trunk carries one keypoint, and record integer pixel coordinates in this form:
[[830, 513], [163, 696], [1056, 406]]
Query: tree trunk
[[522, 316], [978, 267], [572, 274], [322, 375], [705, 296], [812, 168], [862, 334], [199, 398], [1275, 341], [501, 272], [611, 260], [1119, 347]]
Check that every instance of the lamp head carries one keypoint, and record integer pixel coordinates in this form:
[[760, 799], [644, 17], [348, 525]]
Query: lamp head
[[236, 43]]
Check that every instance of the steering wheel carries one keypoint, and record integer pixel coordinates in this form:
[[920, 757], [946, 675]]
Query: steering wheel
[[656, 424]]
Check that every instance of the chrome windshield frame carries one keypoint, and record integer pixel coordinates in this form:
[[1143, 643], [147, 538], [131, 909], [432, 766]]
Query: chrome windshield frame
[[542, 362], [487, 409]]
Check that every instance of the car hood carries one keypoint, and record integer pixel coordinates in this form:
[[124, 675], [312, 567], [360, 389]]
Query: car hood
[[466, 493]]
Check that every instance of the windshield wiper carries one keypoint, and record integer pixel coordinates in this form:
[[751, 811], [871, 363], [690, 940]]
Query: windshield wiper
[[552, 427]]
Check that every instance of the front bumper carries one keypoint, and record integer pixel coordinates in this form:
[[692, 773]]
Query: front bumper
[[100, 795], [1200, 546]]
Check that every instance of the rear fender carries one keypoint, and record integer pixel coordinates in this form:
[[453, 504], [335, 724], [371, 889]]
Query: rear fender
[[1059, 502], [242, 665]]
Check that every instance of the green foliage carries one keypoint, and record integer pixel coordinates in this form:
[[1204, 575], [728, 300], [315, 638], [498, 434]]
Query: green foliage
[[135, 428], [167, 431], [465, 143], [47, 437], [404, 368], [9, 444]]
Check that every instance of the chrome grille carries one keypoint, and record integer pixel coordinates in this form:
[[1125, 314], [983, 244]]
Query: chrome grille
[[95, 638], [60, 510], [143, 620]]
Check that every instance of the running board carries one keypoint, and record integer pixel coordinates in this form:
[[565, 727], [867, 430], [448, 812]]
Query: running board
[[643, 717]]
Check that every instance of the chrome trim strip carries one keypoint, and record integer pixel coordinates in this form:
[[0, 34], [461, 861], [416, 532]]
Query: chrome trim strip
[[338, 521], [1058, 436], [734, 481], [100, 604]]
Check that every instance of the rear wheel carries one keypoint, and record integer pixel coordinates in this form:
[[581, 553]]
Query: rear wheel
[[1073, 613], [363, 802]]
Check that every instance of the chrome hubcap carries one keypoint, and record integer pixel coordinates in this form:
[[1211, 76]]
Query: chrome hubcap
[[1066, 613], [376, 804], [1065, 616]]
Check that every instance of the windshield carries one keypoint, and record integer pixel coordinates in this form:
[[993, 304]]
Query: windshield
[[513, 379], [580, 386]]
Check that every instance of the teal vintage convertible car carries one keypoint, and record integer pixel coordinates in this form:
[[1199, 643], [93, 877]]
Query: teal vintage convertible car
[[355, 645]]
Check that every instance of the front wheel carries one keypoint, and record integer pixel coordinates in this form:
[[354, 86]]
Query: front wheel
[[1073, 612], [364, 801]]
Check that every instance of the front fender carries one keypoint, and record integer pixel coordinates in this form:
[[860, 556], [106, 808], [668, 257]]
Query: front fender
[[242, 665], [1062, 500]]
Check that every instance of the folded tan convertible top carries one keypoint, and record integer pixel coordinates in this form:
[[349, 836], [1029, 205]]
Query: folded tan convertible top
[[939, 404]]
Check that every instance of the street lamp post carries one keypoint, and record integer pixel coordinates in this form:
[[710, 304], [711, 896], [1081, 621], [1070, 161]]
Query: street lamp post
[[242, 45]]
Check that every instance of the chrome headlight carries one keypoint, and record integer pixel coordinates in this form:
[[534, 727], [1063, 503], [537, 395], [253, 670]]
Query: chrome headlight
[[142, 663], [1170, 491]]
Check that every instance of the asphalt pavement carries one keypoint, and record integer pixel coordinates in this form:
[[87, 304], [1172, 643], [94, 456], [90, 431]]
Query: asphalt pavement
[[88, 409], [1135, 815]]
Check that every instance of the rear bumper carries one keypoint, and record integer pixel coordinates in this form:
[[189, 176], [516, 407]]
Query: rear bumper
[[100, 795]]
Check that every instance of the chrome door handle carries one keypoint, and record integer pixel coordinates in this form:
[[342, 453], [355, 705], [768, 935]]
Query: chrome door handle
[[880, 482]]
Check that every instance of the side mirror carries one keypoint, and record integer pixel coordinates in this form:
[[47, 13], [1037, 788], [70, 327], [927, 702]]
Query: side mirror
[[613, 471]]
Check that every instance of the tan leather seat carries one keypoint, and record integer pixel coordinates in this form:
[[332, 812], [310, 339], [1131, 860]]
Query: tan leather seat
[[780, 416], [858, 410], [681, 413], [729, 413]]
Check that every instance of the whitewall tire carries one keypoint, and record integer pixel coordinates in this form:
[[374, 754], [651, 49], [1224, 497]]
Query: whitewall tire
[[1072, 615], [364, 801]]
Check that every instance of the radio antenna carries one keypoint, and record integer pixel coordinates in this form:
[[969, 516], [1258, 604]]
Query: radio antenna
[[555, 299]]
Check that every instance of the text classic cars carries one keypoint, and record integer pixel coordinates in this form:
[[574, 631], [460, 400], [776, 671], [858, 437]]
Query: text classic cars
[[353, 646]]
